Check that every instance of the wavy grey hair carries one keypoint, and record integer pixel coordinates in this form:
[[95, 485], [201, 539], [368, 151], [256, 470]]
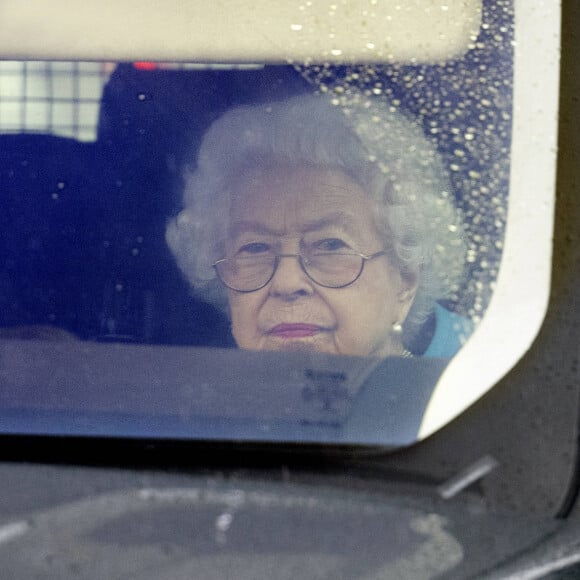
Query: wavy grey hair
[[376, 145]]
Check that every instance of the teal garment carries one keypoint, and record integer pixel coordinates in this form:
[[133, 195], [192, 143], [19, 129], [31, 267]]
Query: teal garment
[[451, 333]]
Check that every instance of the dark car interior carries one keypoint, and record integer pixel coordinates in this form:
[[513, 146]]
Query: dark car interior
[[84, 223]]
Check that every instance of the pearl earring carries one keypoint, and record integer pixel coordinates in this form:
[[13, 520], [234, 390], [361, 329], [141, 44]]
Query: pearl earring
[[397, 328]]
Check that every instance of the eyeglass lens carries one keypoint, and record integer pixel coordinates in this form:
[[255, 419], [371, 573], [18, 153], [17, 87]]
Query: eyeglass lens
[[249, 273]]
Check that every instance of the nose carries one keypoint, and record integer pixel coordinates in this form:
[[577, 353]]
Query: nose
[[290, 282]]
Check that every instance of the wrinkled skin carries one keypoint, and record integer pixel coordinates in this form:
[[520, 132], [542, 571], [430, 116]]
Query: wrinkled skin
[[285, 209]]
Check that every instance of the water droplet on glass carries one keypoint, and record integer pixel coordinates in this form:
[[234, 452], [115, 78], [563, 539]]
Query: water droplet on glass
[[223, 522]]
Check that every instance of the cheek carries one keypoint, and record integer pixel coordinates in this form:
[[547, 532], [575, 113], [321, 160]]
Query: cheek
[[362, 317], [366, 313], [244, 316]]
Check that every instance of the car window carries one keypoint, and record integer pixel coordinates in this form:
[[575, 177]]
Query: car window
[[247, 249]]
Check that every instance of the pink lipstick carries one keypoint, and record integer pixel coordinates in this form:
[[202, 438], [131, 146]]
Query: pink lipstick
[[288, 330]]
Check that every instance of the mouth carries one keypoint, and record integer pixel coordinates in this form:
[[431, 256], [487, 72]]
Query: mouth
[[296, 330]]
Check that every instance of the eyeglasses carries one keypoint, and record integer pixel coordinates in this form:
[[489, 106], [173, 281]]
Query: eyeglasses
[[327, 269]]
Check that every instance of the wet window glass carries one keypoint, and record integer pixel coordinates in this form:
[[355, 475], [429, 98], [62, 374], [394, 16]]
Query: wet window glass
[[252, 251]]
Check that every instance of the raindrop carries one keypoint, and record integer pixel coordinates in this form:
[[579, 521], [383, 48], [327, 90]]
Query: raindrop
[[223, 522]]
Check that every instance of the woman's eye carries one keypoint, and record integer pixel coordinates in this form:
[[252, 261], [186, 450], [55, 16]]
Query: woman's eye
[[331, 245], [254, 248]]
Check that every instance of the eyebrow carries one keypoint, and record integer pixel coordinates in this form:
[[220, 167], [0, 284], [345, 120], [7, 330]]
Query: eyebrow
[[339, 218]]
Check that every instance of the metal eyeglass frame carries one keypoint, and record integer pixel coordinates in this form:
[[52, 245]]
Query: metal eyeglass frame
[[302, 260]]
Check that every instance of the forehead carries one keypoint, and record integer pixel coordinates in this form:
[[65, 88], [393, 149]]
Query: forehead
[[286, 197]]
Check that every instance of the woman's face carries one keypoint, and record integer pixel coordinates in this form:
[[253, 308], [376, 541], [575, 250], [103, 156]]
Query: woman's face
[[284, 211]]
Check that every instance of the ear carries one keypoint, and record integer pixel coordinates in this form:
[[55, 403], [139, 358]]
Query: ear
[[406, 294]]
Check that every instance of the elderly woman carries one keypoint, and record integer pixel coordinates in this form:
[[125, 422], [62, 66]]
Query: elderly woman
[[326, 226]]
